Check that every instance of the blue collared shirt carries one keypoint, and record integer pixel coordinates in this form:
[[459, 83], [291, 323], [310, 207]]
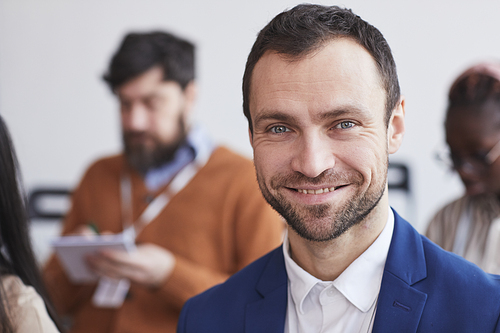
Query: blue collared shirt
[[197, 142]]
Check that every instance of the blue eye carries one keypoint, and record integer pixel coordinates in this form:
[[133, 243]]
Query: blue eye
[[345, 124], [279, 129]]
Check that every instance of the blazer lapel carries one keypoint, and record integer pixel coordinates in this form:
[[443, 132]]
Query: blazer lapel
[[267, 315], [400, 306]]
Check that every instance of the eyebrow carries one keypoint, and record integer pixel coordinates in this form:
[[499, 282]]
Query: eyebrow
[[351, 110], [146, 97], [273, 115]]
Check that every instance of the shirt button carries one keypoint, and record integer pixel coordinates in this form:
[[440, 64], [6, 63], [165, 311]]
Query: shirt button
[[330, 292]]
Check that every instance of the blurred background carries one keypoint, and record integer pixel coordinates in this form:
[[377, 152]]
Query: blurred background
[[62, 116]]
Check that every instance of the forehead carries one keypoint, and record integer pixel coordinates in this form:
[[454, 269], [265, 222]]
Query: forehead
[[143, 84], [340, 73], [473, 124], [486, 114]]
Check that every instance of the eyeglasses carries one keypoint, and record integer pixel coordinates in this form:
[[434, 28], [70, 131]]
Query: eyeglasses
[[475, 162]]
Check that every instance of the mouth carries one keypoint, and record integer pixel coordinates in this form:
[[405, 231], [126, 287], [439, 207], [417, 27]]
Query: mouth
[[319, 190], [139, 139]]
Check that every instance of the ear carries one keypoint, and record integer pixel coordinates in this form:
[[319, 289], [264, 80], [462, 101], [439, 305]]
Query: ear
[[396, 128]]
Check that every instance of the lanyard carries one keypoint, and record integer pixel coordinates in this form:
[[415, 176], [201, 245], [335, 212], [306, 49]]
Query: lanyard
[[155, 207]]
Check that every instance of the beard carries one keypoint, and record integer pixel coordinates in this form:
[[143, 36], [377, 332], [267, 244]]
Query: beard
[[143, 158], [322, 222]]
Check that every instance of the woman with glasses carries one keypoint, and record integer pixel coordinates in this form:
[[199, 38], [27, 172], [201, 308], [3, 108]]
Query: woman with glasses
[[470, 226], [24, 306]]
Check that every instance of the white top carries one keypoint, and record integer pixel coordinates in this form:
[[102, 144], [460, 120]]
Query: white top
[[26, 308], [345, 305]]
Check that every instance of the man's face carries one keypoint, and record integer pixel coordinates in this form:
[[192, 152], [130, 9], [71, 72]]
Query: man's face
[[153, 117], [320, 142]]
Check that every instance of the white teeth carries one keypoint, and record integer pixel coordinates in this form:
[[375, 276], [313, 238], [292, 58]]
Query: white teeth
[[321, 190]]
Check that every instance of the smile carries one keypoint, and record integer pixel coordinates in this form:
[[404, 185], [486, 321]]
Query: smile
[[318, 191]]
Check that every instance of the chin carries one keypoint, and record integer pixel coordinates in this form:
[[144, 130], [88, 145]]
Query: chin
[[475, 191]]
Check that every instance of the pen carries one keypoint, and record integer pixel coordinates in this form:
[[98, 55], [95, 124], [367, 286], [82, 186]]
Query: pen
[[93, 227]]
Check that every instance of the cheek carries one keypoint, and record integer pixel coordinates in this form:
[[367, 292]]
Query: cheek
[[269, 161], [494, 178], [368, 160], [126, 120], [166, 124]]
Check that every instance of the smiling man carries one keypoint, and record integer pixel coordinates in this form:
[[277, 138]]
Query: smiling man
[[322, 98]]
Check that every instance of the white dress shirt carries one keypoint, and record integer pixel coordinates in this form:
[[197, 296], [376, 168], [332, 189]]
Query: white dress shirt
[[345, 305]]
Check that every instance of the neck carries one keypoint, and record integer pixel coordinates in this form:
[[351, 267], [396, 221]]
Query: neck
[[327, 260]]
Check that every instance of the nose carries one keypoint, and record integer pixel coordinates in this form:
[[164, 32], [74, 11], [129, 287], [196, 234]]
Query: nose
[[468, 174], [136, 118], [467, 170], [313, 155]]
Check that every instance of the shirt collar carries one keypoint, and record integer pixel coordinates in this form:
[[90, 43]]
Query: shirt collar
[[359, 282], [198, 144], [199, 139]]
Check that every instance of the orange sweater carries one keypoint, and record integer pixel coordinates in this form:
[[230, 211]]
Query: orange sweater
[[216, 225]]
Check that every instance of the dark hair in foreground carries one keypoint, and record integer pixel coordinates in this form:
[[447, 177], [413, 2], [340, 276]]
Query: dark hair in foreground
[[306, 28], [140, 52], [16, 256]]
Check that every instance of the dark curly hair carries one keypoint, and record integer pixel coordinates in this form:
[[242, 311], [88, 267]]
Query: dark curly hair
[[477, 85]]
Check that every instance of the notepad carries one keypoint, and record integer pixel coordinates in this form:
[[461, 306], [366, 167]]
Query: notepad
[[72, 250]]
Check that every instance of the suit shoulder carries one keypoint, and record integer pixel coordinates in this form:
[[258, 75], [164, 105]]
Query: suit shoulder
[[245, 279], [460, 296], [223, 307], [455, 271], [239, 289], [423, 264]]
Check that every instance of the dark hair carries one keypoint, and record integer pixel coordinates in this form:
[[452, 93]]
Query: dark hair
[[474, 90], [305, 28], [140, 52], [16, 256]]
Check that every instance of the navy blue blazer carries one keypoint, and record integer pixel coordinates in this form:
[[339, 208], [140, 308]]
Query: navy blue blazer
[[424, 289]]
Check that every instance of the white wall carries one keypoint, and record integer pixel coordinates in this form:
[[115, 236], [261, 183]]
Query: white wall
[[61, 115]]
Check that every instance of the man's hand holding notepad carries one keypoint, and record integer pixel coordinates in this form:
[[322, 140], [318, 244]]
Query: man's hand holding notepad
[[73, 250]]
